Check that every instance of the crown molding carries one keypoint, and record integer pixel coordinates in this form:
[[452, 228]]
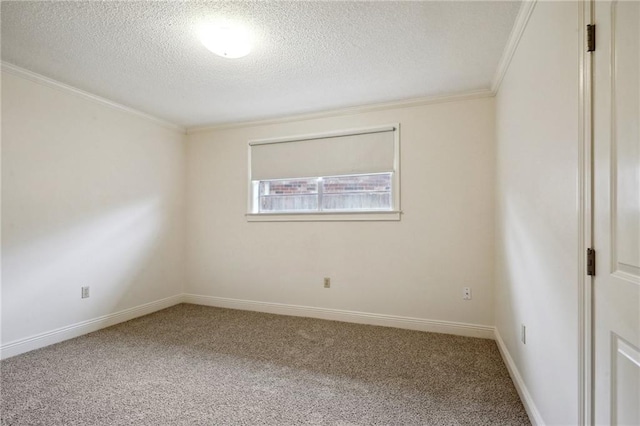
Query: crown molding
[[49, 82], [408, 103], [512, 44]]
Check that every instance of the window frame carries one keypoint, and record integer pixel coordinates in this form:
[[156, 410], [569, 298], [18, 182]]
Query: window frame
[[321, 216]]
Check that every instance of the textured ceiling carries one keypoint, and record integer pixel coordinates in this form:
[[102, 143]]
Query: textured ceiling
[[308, 56]]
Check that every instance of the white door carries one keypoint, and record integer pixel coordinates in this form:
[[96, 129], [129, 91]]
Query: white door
[[616, 213]]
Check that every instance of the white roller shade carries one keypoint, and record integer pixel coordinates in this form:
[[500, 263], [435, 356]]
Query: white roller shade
[[370, 151]]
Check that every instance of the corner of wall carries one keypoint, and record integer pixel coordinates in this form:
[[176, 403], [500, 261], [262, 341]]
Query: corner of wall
[[527, 400]]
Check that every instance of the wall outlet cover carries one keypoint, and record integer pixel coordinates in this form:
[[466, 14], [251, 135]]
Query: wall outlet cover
[[466, 293]]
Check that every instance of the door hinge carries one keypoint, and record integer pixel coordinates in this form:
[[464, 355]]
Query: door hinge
[[591, 37], [591, 261]]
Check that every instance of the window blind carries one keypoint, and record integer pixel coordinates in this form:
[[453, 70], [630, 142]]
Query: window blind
[[371, 151]]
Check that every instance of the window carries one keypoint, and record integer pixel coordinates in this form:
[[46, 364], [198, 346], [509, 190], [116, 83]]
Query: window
[[352, 193], [349, 175]]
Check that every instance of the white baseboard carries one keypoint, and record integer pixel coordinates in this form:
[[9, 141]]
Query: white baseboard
[[78, 329], [420, 324], [534, 415]]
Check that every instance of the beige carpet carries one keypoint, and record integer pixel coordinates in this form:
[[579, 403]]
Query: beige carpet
[[196, 365]]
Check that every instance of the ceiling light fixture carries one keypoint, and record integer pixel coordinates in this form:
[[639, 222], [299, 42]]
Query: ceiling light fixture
[[226, 39]]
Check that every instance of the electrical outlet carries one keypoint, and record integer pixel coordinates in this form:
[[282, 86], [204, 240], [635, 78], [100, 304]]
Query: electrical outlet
[[85, 292], [466, 293], [523, 333], [327, 282]]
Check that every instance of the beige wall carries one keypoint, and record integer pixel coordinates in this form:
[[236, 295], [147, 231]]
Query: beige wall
[[91, 196], [416, 267], [95, 196], [537, 210]]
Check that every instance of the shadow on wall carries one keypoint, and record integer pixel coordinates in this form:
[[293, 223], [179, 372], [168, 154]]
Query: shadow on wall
[[533, 294], [42, 278], [524, 274]]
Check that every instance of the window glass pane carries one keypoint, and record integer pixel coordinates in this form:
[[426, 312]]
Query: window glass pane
[[356, 202], [288, 195], [294, 203], [357, 193], [357, 183], [334, 193]]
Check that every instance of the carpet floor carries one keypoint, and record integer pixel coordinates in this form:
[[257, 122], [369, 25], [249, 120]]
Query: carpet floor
[[197, 365]]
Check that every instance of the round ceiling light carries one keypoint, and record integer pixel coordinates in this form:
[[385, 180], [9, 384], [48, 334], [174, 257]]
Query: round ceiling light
[[226, 39]]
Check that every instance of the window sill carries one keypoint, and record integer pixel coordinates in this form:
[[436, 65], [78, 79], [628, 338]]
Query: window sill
[[324, 217]]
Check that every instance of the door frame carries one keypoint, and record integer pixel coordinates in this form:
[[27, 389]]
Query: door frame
[[585, 219]]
